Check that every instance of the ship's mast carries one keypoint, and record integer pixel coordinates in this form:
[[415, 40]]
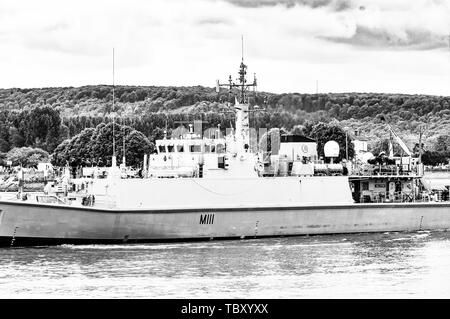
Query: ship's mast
[[242, 84], [123, 139], [113, 161], [241, 105]]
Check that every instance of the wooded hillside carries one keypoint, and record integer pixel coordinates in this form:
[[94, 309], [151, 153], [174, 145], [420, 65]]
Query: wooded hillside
[[151, 109]]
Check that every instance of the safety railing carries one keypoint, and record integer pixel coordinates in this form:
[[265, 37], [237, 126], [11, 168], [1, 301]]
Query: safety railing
[[381, 170], [401, 197]]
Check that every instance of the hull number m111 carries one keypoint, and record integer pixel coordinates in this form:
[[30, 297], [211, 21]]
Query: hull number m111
[[207, 219]]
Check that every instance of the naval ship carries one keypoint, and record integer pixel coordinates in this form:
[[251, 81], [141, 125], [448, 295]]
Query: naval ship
[[208, 185]]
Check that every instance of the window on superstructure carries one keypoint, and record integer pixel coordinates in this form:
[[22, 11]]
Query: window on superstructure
[[220, 148], [170, 148], [195, 148], [162, 148], [365, 186], [180, 148], [213, 148]]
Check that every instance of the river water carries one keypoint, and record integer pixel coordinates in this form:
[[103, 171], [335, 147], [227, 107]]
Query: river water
[[385, 265]]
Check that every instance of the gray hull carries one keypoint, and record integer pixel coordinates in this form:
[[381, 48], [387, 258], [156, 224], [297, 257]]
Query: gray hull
[[33, 224]]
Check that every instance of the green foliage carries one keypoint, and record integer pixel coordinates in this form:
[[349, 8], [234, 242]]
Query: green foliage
[[27, 156], [95, 146]]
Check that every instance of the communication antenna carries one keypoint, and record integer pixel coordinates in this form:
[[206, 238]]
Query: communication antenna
[[242, 84], [123, 139], [242, 41], [114, 138]]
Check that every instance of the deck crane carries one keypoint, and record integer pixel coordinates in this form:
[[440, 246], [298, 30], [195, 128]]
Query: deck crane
[[400, 141]]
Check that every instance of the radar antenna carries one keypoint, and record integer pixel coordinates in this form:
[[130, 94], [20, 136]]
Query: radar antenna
[[242, 84], [241, 105]]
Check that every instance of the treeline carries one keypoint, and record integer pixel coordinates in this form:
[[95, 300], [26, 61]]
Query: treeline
[[149, 99], [38, 127], [43, 118], [358, 111], [43, 127]]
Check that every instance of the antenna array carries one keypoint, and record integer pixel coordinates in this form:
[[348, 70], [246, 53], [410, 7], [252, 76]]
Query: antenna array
[[242, 81]]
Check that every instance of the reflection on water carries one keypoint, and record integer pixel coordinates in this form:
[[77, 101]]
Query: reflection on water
[[388, 265]]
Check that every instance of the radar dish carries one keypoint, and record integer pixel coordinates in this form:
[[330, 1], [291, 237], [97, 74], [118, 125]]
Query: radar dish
[[331, 149]]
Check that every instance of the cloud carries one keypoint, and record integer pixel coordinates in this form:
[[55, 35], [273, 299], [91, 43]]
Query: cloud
[[379, 38], [290, 44], [418, 25], [214, 21], [337, 5], [422, 25]]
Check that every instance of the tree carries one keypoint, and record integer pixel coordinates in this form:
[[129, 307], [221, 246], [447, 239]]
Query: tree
[[40, 127], [381, 145], [2, 159], [27, 156], [60, 156], [433, 158], [442, 144], [94, 146], [298, 130], [15, 138], [323, 133], [136, 146], [4, 145], [157, 134]]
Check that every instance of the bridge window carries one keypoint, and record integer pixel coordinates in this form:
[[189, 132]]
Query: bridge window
[[162, 148], [195, 148], [170, 148], [180, 148], [210, 148], [220, 148]]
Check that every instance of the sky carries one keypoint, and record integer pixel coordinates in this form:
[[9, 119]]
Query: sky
[[391, 46]]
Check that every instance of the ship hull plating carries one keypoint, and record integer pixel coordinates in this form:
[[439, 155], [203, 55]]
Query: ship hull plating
[[36, 224]]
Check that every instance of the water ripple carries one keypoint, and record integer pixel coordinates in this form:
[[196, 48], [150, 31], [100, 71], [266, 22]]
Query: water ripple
[[385, 265]]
